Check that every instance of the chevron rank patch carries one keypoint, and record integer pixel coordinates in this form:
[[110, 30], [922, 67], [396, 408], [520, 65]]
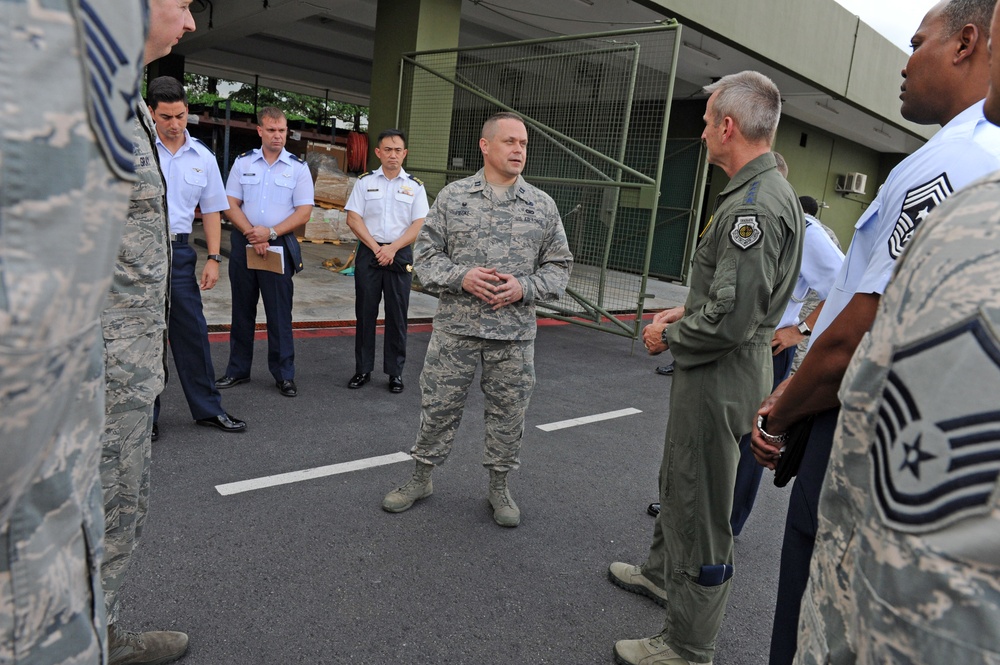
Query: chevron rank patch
[[746, 231], [917, 204], [112, 87], [936, 454]]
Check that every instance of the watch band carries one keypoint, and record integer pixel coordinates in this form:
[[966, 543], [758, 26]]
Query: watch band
[[663, 335], [804, 328], [773, 439], [273, 235], [216, 257]]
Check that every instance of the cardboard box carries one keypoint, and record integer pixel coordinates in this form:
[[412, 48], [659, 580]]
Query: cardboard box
[[328, 225], [338, 152]]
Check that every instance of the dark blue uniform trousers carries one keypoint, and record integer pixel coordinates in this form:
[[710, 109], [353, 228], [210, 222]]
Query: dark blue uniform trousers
[[800, 537], [275, 290], [188, 336], [370, 283], [748, 472]]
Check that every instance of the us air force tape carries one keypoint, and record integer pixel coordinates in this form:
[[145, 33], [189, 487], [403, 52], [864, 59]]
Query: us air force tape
[[746, 231]]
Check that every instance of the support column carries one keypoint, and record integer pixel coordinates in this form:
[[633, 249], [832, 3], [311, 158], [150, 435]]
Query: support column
[[402, 26]]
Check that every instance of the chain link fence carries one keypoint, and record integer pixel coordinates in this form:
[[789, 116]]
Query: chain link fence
[[596, 107]]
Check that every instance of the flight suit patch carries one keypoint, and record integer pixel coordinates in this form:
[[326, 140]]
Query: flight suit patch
[[746, 231]]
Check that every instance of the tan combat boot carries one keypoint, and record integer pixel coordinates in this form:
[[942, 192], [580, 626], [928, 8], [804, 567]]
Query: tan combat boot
[[418, 487], [505, 511], [152, 648]]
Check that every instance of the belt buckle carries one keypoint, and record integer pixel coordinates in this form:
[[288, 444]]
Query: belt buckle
[[173, 237]]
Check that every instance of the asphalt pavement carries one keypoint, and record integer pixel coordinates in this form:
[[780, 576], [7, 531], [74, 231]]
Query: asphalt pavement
[[315, 572]]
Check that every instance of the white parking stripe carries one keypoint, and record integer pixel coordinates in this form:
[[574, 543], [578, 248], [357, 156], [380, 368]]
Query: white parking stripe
[[563, 424], [309, 474]]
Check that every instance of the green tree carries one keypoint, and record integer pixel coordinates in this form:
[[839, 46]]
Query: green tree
[[202, 89]]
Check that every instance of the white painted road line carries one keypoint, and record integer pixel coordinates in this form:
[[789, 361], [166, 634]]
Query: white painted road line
[[585, 420], [309, 474]]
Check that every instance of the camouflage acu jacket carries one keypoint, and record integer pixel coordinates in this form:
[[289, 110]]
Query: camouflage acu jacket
[[521, 235], [907, 561]]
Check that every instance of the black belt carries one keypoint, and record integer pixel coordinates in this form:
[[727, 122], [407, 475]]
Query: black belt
[[179, 237]]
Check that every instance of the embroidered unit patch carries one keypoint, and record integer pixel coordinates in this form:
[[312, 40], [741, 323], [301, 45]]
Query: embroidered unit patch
[[746, 231]]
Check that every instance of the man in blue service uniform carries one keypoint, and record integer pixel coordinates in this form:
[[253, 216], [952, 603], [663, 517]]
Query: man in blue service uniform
[[385, 211], [908, 548], [192, 178], [270, 195], [944, 82], [743, 274], [492, 247], [66, 174]]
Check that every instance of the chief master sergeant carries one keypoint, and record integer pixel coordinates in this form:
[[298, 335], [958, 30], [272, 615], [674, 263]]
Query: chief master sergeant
[[743, 273], [908, 542], [492, 246]]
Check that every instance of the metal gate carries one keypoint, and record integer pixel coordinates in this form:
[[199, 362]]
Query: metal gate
[[597, 109]]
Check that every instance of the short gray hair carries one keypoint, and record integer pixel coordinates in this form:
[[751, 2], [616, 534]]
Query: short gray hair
[[490, 126], [782, 165], [752, 100], [959, 13]]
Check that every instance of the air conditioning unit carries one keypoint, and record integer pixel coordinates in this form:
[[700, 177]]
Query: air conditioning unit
[[852, 183]]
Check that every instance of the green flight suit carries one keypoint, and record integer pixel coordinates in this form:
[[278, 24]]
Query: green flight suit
[[743, 273]]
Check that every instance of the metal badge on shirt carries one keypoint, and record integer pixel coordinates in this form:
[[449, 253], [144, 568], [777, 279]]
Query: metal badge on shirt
[[936, 454], [917, 204], [746, 231]]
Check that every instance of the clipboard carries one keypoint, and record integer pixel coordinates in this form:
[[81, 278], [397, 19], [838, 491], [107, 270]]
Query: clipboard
[[272, 261]]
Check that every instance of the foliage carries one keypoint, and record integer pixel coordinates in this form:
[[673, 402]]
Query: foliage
[[296, 106]]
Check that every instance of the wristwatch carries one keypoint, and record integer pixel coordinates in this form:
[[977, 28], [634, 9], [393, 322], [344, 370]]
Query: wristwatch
[[773, 439], [804, 328], [663, 336], [273, 235], [216, 257]]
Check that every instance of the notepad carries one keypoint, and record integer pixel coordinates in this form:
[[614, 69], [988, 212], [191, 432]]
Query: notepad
[[272, 261]]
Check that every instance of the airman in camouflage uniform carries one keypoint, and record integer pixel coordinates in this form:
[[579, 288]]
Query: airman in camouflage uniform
[[907, 555], [134, 325], [491, 247], [65, 177]]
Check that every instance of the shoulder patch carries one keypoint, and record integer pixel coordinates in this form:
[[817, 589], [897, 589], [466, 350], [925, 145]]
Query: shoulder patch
[[415, 179], [746, 231], [751, 197], [936, 453], [917, 204]]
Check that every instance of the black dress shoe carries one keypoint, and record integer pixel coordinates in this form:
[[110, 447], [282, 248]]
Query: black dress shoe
[[653, 509], [287, 388], [225, 422], [229, 381], [395, 384], [666, 370], [156, 433], [359, 380]]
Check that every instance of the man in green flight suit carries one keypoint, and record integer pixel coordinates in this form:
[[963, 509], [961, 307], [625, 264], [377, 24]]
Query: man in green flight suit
[[743, 273]]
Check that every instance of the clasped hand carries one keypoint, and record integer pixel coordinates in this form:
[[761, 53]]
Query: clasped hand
[[492, 287]]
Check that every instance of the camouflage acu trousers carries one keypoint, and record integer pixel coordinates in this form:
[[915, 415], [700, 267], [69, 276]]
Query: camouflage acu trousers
[[508, 377], [134, 376]]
